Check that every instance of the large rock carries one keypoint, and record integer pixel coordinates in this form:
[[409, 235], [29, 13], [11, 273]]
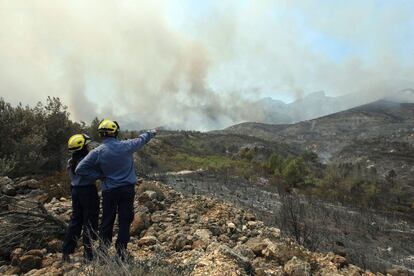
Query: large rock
[[180, 242], [54, 246], [199, 244], [29, 262], [203, 234], [15, 256], [27, 184], [222, 260], [297, 267], [38, 195], [35, 252], [147, 196], [147, 241], [4, 180], [257, 245], [248, 216], [141, 222], [254, 224], [227, 251], [231, 227], [271, 271], [281, 251], [244, 251], [8, 189], [272, 232]]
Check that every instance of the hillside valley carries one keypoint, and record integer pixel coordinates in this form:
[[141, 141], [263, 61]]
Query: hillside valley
[[379, 135]]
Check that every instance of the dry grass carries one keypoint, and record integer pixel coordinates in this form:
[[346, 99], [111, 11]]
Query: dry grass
[[26, 224], [108, 264], [56, 185]]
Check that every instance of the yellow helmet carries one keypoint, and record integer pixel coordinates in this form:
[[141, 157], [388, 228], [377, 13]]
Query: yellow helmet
[[107, 127], [78, 141]]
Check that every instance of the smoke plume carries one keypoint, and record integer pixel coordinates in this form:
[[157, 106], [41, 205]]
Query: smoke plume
[[199, 66]]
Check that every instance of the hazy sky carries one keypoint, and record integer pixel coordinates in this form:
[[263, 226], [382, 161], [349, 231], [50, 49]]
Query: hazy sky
[[200, 64]]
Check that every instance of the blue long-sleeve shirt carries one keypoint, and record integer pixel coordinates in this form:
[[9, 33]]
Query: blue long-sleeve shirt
[[80, 181], [114, 158]]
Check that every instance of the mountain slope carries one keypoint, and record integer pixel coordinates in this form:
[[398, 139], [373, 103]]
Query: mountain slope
[[378, 134], [332, 132]]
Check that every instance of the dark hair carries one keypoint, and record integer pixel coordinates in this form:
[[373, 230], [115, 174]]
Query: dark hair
[[77, 156]]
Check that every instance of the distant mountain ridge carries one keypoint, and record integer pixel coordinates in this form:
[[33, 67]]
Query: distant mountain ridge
[[318, 104], [312, 106], [379, 134]]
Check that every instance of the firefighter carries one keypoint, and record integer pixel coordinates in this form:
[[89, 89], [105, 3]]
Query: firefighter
[[85, 201], [114, 158]]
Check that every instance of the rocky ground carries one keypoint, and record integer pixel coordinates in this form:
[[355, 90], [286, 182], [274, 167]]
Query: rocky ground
[[196, 235], [366, 237]]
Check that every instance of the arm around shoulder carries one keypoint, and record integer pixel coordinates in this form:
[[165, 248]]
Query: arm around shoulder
[[88, 166]]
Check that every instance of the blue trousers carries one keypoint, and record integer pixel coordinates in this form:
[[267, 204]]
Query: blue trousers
[[85, 215], [118, 200]]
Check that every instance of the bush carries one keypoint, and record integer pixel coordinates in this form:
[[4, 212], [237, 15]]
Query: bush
[[350, 183], [286, 172], [309, 156], [294, 171], [34, 139], [247, 153], [275, 164]]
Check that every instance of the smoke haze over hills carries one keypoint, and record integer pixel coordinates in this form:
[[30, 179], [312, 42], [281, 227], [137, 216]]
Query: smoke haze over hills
[[202, 65]]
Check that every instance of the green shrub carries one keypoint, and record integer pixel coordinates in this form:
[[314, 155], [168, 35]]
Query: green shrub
[[247, 153], [211, 162], [294, 171], [309, 156], [34, 139], [350, 183], [275, 164]]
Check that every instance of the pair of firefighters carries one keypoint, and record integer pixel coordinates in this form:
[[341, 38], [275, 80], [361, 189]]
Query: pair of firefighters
[[113, 163]]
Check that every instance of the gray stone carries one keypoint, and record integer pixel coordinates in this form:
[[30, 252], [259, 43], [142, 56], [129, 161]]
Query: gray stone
[[8, 190], [203, 234], [5, 180], [29, 262], [147, 240], [297, 267]]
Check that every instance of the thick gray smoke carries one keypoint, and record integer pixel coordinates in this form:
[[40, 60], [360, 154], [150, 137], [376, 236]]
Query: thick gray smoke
[[197, 67]]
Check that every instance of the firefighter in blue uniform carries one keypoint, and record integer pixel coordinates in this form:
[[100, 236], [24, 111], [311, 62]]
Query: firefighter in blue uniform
[[114, 158], [85, 201]]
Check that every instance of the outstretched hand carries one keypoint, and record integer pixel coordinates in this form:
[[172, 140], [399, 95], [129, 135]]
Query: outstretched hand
[[154, 131]]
